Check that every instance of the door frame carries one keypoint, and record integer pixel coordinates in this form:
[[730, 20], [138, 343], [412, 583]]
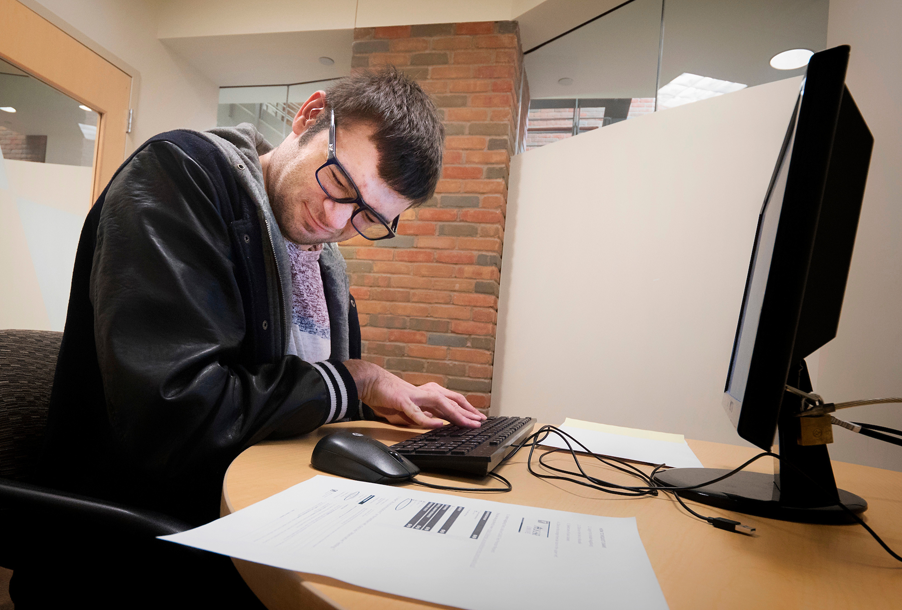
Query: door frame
[[33, 44]]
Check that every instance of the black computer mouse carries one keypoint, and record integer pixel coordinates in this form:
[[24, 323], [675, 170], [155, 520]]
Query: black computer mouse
[[357, 456]]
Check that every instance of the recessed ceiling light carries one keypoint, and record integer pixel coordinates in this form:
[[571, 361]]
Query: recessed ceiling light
[[326, 61], [7, 109], [687, 88], [791, 59], [85, 108], [565, 81]]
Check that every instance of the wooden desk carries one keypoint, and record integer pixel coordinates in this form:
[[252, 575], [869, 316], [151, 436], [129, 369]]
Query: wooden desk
[[788, 565]]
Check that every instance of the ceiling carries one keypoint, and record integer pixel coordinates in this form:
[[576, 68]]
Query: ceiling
[[733, 40], [614, 56]]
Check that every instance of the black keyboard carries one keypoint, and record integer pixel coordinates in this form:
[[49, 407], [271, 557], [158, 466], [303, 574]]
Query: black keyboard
[[472, 450]]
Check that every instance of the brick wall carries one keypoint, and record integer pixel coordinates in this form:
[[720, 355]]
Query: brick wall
[[22, 148], [428, 299]]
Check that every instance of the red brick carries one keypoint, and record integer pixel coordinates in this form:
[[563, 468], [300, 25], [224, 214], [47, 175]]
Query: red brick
[[424, 296], [490, 101], [475, 28], [443, 72], [456, 257], [462, 172], [472, 328], [416, 228], [395, 31], [484, 186], [409, 309], [485, 315], [409, 214], [374, 254], [491, 231], [448, 186], [407, 336], [505, 71], [439, 243], [407, 44], [433, 270], [477, 300], [498, 41], [454, 285], [470, 57], [452, 43], [377, 360], [470, 86], [415, 256], [410, 281], [360, 293], [419, 379], [476, 243], [502, 86], [434, 87], [481, 216], [450, 312], [492, 202], [466, 142], [477, 272], [384, 59], [474, 356], [388, 294], [433, 352], [369, 333], [368, 307], [465, 115], [506, 56], [480, 401], [501, 114], [391, 267], [482, 372], [452, 157], [488, 157], [363, 33], [437, 214]]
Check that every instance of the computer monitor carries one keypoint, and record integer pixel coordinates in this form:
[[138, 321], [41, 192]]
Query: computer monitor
[[792, 302]]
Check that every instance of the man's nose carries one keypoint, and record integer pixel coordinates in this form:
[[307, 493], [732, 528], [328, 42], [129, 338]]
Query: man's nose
[[337, 215]]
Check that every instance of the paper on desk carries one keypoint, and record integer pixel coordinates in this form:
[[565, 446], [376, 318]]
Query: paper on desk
[[444, 549], [628, 443]]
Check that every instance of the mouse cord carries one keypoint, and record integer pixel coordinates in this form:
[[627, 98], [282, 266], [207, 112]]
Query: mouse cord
[[477, 489]]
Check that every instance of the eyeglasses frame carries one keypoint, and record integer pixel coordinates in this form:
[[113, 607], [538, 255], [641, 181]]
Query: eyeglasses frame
[[362, 205]]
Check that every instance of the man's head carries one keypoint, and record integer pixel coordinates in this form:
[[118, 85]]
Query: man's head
[[388, 138]]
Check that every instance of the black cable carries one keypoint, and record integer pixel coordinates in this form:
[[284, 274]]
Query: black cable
[[476, 489], [879, 428]]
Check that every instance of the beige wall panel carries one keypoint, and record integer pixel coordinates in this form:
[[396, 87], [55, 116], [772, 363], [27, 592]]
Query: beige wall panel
[[64, 187], [624, 263], [21, 302]]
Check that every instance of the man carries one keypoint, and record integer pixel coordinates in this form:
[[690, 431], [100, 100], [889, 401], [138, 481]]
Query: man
[[210, 308]]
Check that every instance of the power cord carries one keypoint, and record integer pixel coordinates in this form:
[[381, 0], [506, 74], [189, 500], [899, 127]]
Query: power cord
[[653, 488], [474, 489]]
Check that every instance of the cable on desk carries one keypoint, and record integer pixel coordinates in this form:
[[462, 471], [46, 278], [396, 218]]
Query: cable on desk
[[653, 488], [474, 489]]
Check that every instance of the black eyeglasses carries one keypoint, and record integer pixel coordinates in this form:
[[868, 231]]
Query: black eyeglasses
[[338, 186]]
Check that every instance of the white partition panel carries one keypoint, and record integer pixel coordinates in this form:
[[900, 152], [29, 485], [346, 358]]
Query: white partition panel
[[625, 257], [624, 263]]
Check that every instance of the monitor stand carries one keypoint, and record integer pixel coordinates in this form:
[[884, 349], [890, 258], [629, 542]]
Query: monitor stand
[[787, 495]]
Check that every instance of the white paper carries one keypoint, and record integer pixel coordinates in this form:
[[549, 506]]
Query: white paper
[[451, 550], [625, 443]]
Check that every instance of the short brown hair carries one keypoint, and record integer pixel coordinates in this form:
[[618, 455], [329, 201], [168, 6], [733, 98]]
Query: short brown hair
[[409, 133]]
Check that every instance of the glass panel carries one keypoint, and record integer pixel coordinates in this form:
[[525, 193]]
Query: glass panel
[[47, 143], [597, 75], [713, 47]]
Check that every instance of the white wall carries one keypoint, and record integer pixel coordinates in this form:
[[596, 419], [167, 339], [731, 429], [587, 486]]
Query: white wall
[[624, 264], [865, 359], [167, 93]]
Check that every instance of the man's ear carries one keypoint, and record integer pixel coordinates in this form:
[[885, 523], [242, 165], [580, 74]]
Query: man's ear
[[315, 104]]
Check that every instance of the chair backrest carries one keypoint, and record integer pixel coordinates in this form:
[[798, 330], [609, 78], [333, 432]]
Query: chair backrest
[[27, 366]]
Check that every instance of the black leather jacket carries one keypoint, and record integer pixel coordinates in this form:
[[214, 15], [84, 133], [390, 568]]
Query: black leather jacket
[[172, 360]]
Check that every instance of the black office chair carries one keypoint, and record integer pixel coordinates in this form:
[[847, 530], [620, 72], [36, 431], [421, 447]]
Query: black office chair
[[69, 547]]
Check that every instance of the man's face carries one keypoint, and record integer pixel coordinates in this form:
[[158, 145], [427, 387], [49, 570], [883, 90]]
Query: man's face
[[306, 215]]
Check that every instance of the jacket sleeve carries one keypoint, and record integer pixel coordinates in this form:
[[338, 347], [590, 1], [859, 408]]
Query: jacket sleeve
[[169, 323]]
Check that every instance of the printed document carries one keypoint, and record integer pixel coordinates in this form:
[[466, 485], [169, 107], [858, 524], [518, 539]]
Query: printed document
[[452, 550], [627, 443]]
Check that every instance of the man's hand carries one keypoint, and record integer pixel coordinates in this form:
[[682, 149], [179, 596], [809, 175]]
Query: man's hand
[[403, 403]]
